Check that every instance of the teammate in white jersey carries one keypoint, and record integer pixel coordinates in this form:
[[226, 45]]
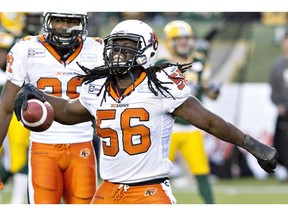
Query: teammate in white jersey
[[134, 104], [62, 161]]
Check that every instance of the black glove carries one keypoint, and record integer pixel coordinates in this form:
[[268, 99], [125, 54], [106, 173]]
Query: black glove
[[266, 156], [26, 92], [269, 165]]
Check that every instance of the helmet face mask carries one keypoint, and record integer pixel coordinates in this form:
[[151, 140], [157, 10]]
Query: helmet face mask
[[65, 37], [120, 56], [142, 49]]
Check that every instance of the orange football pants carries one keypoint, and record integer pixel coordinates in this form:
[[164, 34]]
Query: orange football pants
[[62, 171], [115, 193]]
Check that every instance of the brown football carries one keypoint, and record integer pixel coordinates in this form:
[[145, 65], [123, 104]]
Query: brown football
[[38, 116]]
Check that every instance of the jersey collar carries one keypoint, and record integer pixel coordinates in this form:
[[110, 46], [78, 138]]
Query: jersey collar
[[41, 38], [116, 95]]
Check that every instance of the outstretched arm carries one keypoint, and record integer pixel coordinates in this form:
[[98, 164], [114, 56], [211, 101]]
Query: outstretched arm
[[193, 111]]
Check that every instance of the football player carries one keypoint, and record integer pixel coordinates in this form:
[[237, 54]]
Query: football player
[[134, 104], [187, 139], [61, 159]]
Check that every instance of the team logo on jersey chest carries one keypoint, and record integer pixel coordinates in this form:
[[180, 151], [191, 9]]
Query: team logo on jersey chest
[[94, 89], [144, 88], [36, 52], [88, 57]]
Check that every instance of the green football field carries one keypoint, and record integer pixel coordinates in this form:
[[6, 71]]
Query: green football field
[[246, 190], [229, 191]]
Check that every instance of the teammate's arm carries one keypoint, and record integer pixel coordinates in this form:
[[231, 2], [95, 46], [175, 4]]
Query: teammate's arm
[[6, 107], [6, 111], [193, 111]]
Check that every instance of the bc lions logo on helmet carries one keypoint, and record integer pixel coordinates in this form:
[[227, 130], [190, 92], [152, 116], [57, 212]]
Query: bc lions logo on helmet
[[154, 40]]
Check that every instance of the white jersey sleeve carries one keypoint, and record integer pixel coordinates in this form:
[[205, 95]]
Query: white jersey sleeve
[[179, 90], [16, 69]]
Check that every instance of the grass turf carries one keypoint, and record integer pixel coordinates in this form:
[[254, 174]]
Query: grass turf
[[246, 190]]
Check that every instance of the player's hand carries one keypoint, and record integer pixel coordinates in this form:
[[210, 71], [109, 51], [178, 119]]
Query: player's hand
[[27, 92], [1, 184], [269, 164], [266, 156]]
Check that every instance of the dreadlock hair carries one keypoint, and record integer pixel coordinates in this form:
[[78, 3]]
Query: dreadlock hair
[[151, 74], [103, 71]]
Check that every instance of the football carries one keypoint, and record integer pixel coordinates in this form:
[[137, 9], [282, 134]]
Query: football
[[38, 116]]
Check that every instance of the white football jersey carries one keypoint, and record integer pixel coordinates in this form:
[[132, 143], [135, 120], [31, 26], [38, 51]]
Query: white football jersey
[[32, 60], [135, 129]]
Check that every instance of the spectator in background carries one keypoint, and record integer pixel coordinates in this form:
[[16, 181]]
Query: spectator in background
[[279, 95]]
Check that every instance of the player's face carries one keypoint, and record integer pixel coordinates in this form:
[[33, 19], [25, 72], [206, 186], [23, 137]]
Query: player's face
[[183, 45], [123, 50], [64, 25]]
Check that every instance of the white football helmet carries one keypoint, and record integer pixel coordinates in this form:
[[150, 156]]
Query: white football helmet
[[71, 36], [147, 42]]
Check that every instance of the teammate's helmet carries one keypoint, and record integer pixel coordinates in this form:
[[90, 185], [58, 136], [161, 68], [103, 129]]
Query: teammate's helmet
[[145, 54], [13, 22], [65, 38], [177, 29]]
